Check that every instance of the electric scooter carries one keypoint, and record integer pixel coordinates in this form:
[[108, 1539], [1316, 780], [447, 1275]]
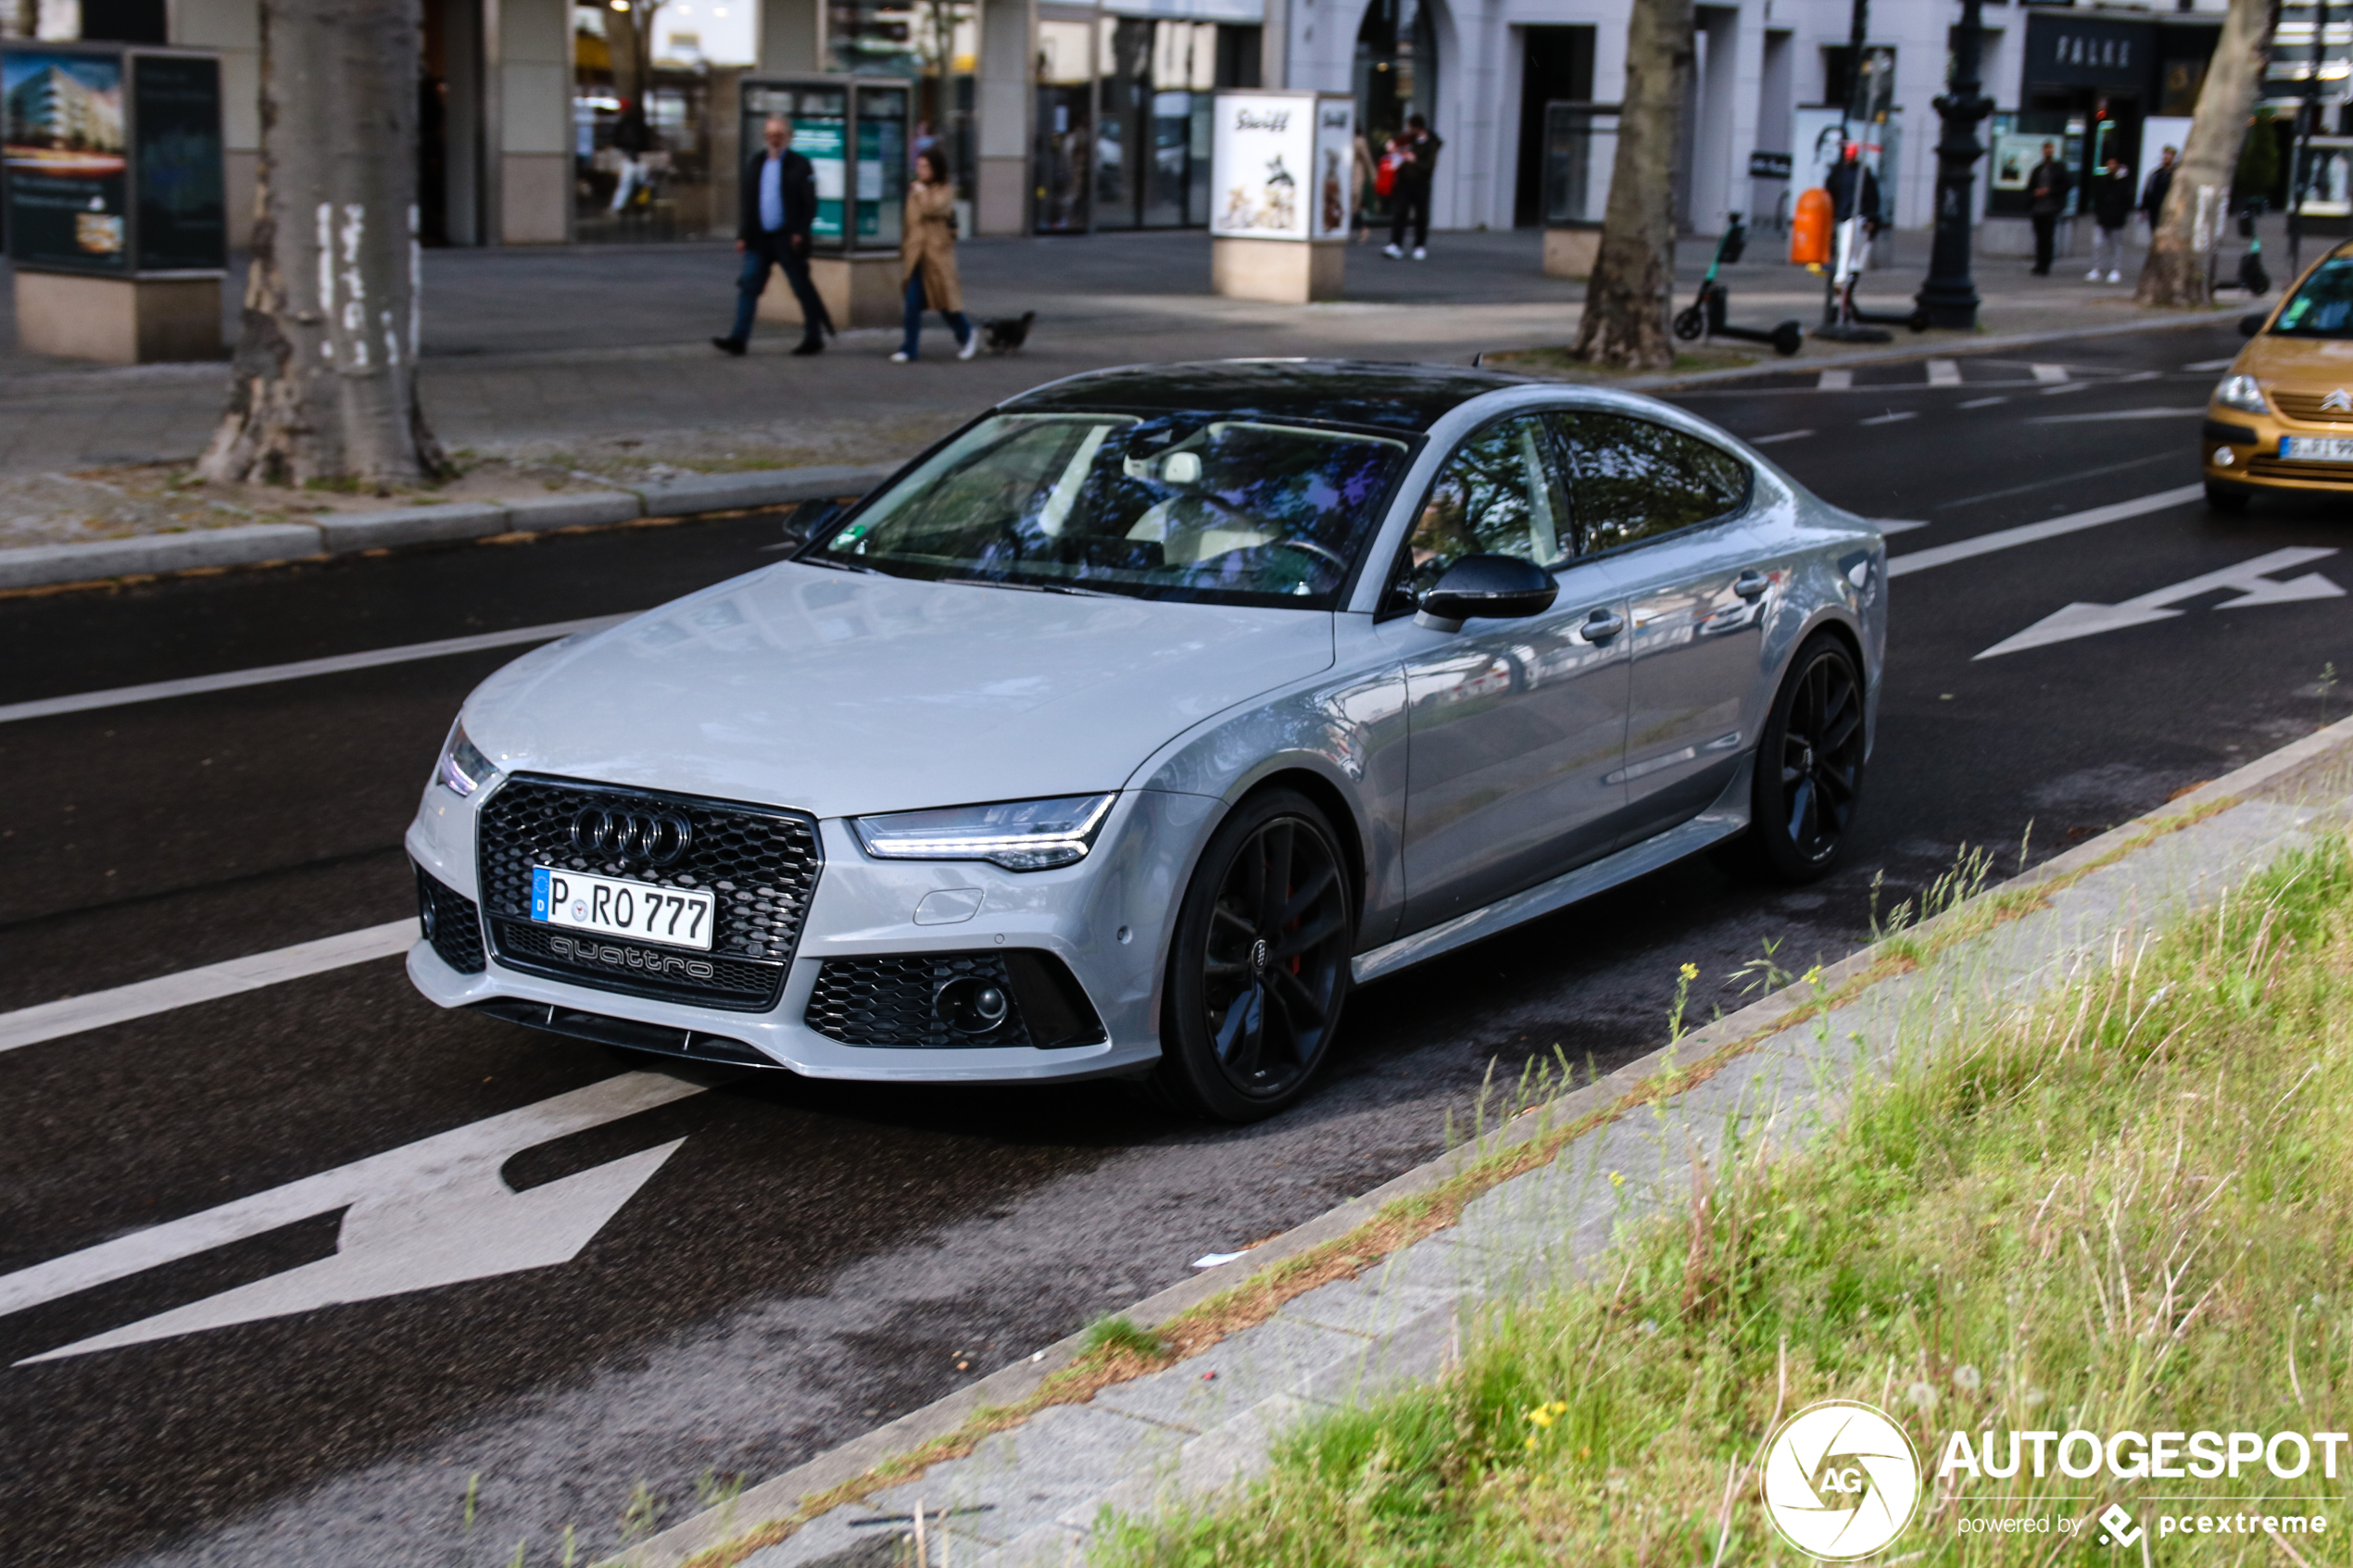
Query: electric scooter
[[1705, 316]]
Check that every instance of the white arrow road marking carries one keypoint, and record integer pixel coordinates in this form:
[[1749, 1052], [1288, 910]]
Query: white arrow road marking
[[49, 1021], [432, 1212], [2251, 578], [229, 680], [2028, 534]]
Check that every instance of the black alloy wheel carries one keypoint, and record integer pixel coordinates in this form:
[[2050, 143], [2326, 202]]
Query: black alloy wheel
[[1809, 768], [1259, 968]]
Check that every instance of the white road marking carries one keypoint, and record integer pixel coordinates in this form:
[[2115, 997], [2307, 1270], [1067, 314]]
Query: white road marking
[[2065, 387], [1784, 435], [1943, 372], [230, 680], [2213, 364], [50, 1021], [2252, 578], [2048, 373], [2114, 414], [1895, 524], [1836, 380], [428, 1213], [1891, 417], [2032, 533], [1981, 402]]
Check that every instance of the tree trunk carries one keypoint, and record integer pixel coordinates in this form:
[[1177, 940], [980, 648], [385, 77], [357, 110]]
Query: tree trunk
[[324, 384], [2197, 203], [1629, 295]]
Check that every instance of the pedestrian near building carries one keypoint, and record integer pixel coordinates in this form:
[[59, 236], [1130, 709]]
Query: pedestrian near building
[[2153, 193], [632, 139], [2046, 190], [778, 209], [927, 262], [1409, 193], [2111, 209]]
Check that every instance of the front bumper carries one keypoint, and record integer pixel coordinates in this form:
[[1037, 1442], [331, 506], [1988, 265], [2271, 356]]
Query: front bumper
[[1105, 918], [2241, 450]]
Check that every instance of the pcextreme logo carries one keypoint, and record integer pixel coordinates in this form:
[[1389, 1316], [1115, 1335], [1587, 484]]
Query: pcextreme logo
[[1842, 1480]]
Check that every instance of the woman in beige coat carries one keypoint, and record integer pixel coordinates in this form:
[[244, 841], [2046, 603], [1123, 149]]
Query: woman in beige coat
[[928, 260]]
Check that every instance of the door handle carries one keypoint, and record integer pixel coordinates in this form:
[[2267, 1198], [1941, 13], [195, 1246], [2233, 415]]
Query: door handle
[[1750, 584], [1602, 625]]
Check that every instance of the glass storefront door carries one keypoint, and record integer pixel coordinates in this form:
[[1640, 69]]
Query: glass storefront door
[[1152, 107]]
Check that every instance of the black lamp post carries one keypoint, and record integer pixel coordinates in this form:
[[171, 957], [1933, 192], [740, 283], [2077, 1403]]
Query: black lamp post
[[1949, 297]]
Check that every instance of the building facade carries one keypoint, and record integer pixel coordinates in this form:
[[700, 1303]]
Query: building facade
[[549, 121]]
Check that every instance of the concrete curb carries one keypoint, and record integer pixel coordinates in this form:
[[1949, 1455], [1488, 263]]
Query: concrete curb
[[43, 566], [1354, 1337]]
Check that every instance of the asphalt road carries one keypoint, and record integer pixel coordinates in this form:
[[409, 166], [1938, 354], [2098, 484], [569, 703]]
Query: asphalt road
[[813, 1257]]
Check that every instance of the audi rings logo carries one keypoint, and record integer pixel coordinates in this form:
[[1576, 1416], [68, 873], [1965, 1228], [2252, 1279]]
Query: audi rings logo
[[657, 838], [1840, 1480]]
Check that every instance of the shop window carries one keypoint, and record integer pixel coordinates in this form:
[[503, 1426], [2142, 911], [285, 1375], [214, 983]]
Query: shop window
[[934, 45], [643, 100]]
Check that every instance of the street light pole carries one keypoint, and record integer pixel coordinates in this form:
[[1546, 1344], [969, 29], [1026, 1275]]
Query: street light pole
[[1949, 297]]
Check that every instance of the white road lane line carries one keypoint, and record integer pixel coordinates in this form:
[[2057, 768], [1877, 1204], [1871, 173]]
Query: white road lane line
[[2048, 373], [2114, 414], [2073, 523], [1891, 417], [2212, 363], [1836, 380], [230, 679], [2067, 386], [1895, 524], [50, 1021], [1943, 372], [428, 1214], [1784, 435], [1981, 402]]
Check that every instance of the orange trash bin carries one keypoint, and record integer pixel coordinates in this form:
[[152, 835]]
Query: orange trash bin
[[1809, 229]]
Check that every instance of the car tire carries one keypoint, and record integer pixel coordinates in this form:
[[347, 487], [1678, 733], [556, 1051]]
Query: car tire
[[2222, 497], [1256, 977], [1810, 770]]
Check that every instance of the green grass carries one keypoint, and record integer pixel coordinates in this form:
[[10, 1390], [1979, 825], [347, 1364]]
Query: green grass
[[2123, 1209]]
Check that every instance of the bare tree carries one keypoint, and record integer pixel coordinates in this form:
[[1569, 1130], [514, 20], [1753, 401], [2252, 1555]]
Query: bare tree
[[2199, 201], [1626, 298], [324, 384]]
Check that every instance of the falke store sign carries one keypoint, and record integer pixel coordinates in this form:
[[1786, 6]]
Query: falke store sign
[[2066, 52]]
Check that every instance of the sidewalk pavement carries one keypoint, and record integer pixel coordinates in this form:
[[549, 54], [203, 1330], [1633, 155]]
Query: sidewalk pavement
[[560, 367], [1035, 1493]]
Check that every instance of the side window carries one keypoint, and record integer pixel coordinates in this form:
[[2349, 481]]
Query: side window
[[1497, 495], [1633, 479]]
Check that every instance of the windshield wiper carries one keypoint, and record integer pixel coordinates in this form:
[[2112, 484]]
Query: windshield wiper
[[1030, 587], [822, 560]]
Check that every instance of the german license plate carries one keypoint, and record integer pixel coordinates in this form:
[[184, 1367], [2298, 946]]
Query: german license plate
[[677, 917], [2318, 448]]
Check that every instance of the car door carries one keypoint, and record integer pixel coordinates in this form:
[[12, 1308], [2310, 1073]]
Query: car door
[[1515, 729], [1667, 508]]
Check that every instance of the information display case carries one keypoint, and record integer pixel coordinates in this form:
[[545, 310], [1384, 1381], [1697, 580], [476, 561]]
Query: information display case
[[1281, 168], [856, 133]]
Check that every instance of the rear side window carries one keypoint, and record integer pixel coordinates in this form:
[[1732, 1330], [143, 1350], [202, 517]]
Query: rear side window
[[1632, 480]]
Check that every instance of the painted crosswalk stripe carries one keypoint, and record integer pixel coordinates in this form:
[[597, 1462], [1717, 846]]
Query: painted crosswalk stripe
[[266, 674], [51, 1021], [2048, 373], [2073, 523], [1836, 380], [1943, 372]]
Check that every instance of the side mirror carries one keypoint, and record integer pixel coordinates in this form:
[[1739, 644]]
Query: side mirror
[[2250, 325], [806, 520], [1487, 587]]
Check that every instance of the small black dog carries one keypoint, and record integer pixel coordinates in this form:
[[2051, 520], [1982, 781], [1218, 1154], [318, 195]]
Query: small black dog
[[1007, 334]]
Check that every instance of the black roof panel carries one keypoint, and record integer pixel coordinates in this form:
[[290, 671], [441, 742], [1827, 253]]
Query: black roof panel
[[1394, 396]]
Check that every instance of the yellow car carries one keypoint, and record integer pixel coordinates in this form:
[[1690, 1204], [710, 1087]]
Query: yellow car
[[2283, 418]]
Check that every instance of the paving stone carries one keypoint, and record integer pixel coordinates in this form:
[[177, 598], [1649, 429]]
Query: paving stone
[[1430, 1273], [1417, 1351], [1036, 1472], [1270, 1358]]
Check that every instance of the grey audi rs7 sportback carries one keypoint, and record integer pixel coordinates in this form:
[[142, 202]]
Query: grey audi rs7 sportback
[[1127, 728]]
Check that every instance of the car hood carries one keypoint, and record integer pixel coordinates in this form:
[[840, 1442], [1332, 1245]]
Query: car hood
[[843, 693], [2300, 364]]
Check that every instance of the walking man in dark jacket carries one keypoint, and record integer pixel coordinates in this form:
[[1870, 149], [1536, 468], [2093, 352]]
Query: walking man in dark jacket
[[2046, 198], [779, 208], [2160, 182], [2111, 209], [1410, 190]]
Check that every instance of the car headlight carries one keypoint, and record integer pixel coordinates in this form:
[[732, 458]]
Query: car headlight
[[462, 770], [2241, 392], [1021, 835]]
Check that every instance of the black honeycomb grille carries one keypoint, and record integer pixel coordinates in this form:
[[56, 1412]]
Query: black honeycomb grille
[[761, 864], [450, 923], [889, 1001], [2288, 468]]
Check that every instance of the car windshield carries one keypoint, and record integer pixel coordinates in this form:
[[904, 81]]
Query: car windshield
[[2323, 307], [1181, 506]]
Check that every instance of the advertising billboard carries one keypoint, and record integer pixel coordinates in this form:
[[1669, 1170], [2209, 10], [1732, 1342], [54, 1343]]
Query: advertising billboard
[[1261, 166], [64, 160], [1335, 160], [180, 206]]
